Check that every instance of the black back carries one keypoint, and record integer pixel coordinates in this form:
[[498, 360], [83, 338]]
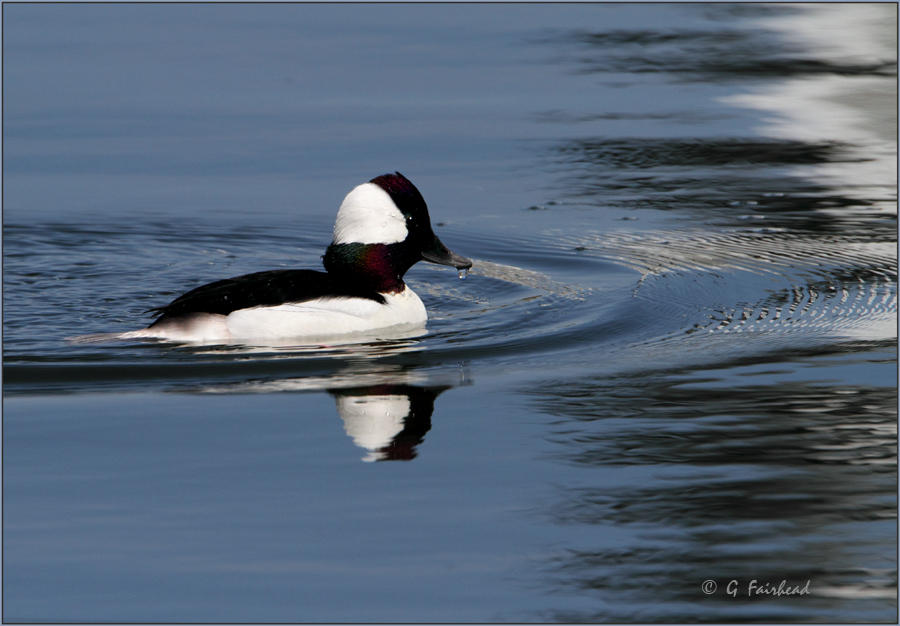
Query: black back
[[267, 288]]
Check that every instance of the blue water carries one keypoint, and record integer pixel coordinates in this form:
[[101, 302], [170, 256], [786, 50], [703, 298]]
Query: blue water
[[674, 360]]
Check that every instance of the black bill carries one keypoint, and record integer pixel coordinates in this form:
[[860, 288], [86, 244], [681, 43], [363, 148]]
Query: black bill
[[439, 253]]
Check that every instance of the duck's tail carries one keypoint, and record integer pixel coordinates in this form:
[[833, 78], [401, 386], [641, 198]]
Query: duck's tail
[[144, 333]]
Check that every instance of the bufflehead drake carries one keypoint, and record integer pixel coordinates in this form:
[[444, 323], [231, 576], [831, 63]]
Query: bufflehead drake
[[381, 230]]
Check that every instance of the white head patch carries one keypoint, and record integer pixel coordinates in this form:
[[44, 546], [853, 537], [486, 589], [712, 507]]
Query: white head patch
[[369, 215]]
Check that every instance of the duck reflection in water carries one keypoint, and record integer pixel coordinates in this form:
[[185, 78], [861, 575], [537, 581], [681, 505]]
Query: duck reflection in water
[[388, 421], [386, 410]]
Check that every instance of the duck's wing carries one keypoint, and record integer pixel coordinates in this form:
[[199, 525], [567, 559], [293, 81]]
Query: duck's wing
[[269, 288]]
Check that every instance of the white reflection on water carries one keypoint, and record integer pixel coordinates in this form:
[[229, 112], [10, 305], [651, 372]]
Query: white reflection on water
[[385, 410], [856, 111]]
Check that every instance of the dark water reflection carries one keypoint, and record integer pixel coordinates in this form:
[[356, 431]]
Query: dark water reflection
[[754, 481], [704, 55], [721, 55], [691, 477], [720, 177], [730, 179], [826, 159]]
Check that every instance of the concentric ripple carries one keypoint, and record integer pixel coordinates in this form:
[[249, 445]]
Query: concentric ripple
[[763, 281], [621, 298]]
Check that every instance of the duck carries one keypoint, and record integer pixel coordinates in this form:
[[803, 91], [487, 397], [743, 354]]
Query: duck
[[382, 229]]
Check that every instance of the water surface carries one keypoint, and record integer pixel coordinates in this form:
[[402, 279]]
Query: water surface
[[674, 360]]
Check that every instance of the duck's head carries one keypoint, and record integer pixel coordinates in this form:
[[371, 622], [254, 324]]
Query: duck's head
[[382, 229]]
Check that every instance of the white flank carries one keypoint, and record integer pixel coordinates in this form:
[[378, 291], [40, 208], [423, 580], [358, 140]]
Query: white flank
[[322, 318], [326, 317], [368, 215], [196, 328]]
